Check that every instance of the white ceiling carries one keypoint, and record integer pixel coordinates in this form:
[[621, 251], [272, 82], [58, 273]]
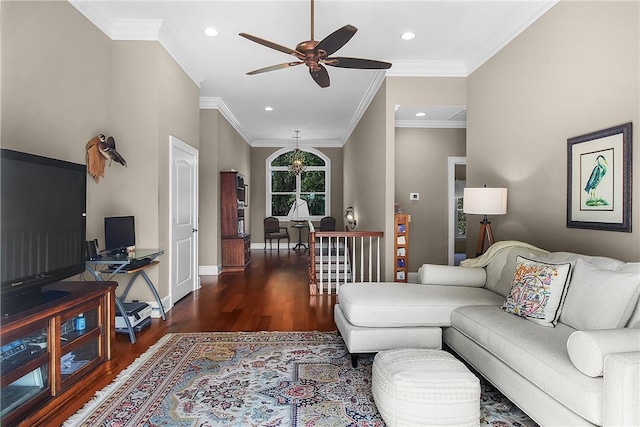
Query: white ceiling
[[453, 38]]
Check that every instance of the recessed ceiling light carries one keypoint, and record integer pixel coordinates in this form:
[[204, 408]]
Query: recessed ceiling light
[[211, 32], [420, 114], [268, 108], [408, 36]]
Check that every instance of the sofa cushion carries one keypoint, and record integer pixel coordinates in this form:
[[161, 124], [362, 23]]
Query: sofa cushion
[[538, 291], [588, 349], [633, 267], [599, 261], [450, 275], [600, 299], [408, 304], [502, 266], [538, 354]]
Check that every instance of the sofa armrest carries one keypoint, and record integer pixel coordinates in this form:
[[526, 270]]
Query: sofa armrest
[[621, 389], [449, 275]]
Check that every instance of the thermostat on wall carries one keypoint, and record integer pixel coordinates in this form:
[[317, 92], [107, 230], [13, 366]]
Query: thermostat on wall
[[414, 196]]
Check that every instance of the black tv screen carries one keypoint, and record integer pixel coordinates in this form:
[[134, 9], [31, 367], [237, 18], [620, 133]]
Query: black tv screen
[[119, 233], [43, 224]]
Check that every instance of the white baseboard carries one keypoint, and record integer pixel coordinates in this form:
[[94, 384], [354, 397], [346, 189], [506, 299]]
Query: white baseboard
[[209, 270], [155, 314], [260, 246]]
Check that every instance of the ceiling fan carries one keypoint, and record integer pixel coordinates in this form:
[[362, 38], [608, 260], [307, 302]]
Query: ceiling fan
[[316, 53]]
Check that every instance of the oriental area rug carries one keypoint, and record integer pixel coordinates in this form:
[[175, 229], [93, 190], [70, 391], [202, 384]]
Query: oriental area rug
[[253, 379]]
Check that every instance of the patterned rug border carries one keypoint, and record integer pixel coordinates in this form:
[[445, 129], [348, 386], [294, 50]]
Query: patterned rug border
[[102, 395], [271, 336]]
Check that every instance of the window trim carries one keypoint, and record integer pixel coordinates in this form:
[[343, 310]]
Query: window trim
[[327, 174]]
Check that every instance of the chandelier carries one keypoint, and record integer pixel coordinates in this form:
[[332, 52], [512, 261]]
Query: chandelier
[[297, 159]]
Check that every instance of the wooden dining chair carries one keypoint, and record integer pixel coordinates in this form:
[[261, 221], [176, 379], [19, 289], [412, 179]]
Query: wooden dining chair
[[272, 230]]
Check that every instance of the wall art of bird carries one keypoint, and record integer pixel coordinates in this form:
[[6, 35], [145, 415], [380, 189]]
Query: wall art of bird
[[95, 160], [598, 172], [108, 150]]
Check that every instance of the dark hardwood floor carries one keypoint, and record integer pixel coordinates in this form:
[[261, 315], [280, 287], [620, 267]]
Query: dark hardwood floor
[[271, 295]]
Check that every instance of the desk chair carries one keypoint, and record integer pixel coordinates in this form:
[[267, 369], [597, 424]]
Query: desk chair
[[272, 230]]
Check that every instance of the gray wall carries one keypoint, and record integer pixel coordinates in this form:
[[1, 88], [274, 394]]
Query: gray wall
[[421, 158], [221, 149], [209, 192], [574, 71], [427, 91], [367, 174], [371, 169], [64, 81]]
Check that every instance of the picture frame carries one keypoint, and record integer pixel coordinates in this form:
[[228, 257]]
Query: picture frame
[[599, 166]]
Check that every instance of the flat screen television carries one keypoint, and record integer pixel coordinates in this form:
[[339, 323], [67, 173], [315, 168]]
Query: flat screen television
[[42, 226], [119, 234]]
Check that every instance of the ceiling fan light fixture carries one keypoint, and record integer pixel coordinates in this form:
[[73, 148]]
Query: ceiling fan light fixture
[[211, 32], [408, 35]]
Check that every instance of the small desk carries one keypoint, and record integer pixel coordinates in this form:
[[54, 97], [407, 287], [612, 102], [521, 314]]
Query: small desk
[[300, 225], [118, 265]]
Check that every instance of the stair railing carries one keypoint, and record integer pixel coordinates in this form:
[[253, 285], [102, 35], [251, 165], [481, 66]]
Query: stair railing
[[359, 251]]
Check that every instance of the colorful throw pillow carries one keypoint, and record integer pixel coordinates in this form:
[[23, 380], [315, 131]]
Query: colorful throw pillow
[[538, 291]]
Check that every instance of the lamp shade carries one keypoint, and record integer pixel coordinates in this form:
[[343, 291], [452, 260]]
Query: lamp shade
[[485, 201]]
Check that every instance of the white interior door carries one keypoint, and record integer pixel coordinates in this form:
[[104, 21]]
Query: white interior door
[[184, 219]]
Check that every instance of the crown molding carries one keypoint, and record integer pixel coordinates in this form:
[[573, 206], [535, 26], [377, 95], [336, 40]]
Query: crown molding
[[141, 30], [94, 13], [431, 124], [419, 68], [496, 44], [135, 29], [373, 88], [180, 55], [216, 103], [307, 143]]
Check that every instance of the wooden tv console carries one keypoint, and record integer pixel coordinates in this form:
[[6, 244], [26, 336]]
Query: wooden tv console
[[52, 353]]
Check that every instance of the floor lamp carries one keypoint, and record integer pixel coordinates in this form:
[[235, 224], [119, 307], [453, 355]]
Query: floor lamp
[[485, 201]]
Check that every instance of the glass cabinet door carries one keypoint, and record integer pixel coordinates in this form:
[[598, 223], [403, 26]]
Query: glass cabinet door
[[25, 369], [80, 341]]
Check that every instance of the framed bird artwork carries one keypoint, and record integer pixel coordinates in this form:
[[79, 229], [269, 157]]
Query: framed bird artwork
[[599, 180], [99, 150]]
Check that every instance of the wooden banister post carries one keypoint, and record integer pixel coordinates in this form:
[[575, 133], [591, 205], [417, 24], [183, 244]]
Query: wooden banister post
[[313, 286]]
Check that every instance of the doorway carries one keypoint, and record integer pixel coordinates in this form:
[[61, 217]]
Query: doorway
[[184, 219], [457, 241]]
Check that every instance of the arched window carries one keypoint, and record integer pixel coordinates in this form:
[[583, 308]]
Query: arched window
[[312, 185]]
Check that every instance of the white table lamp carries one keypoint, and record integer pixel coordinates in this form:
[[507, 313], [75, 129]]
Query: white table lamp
[[485, 201]]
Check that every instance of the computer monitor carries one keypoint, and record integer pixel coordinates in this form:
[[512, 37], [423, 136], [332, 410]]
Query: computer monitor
[[119, 234]]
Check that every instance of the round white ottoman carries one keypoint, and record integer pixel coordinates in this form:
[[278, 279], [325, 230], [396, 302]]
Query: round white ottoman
[[419, 387]]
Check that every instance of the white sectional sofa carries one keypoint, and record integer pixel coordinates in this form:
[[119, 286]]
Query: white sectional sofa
[[576, 361]]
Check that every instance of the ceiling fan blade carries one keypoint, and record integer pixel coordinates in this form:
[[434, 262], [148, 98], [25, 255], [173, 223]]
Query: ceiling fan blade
[[337, 39], [274, 67], [272, 45], [320, 76], [364, 64]]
